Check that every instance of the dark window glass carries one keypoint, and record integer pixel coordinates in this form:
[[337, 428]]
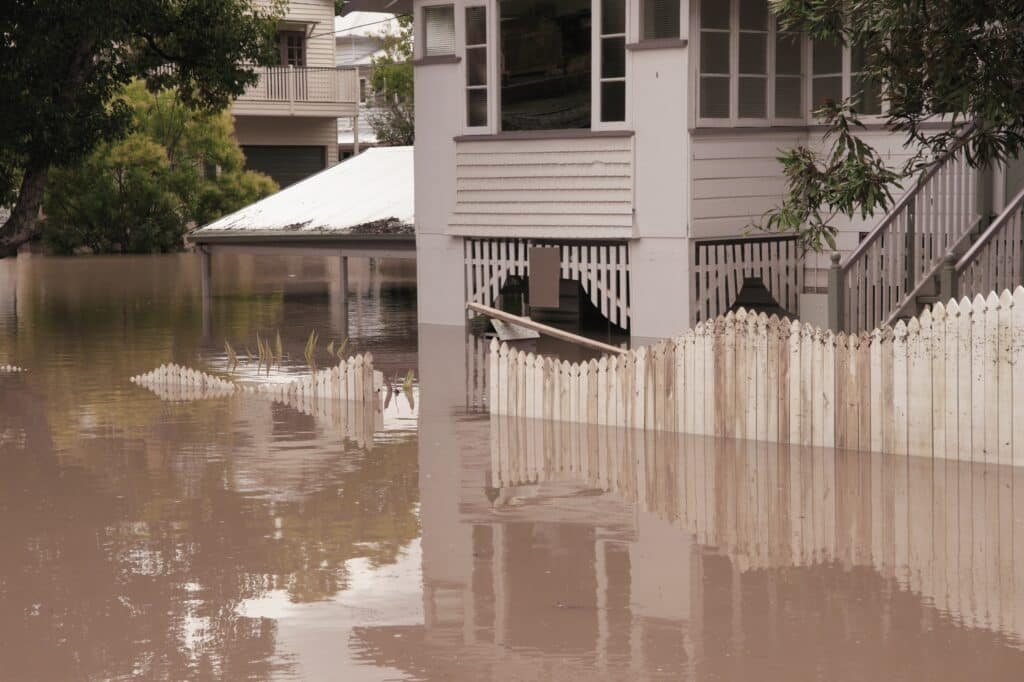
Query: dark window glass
[[753, 53], [787, 54], [545, 64], [476, 25], [613, 58], [476, 107], [827, 57], [613, 101], [714, 14], [613, 16], [714, 97], [789, 97], [753, 15], [476, 66], [714, 52], [659, 19], [751, 97]]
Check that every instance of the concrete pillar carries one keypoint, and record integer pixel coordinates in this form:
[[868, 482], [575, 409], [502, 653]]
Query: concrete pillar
[[206, 289], [338, 294]]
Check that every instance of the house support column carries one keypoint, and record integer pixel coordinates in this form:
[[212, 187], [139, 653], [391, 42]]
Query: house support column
[[355, 135], [206, 289], [338, 295]]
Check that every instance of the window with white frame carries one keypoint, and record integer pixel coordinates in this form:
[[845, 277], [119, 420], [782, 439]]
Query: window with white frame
[[613, 61], [659, 19], [476, 66], [750, 71], [438, 30]]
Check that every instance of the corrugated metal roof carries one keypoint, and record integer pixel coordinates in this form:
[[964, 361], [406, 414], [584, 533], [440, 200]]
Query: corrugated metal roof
[[372, 192]]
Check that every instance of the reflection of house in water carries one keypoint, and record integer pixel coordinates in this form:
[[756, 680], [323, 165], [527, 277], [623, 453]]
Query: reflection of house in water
[[566, 553]]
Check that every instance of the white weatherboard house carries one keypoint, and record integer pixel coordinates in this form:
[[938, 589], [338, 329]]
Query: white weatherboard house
[[640, 138], [287, 124]]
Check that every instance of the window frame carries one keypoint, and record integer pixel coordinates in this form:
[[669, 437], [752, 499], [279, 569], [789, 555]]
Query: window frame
[[770, 120], [596, 54], [420, 38], [493, 88], [489, 50]]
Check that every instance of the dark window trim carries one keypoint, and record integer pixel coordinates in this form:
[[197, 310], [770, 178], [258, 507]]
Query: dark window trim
[[437, 59], [567, 133], [658, 44]]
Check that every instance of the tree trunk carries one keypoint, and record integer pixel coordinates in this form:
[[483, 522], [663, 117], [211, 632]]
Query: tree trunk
[[21, 226]]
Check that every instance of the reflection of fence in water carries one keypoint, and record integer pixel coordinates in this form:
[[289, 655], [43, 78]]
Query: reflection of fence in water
[[950, 531]]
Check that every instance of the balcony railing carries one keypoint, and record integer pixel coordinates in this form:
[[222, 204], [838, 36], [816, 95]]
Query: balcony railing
[[304, 84]]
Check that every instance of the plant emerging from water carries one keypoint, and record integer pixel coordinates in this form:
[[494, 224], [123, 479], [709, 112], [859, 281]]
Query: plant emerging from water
[[268, 354]]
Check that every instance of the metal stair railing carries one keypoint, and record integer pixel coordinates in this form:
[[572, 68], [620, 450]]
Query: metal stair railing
[[996, 260], [906, 248]]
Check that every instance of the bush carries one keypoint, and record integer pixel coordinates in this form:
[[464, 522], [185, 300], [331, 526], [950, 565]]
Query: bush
[[179, 168]]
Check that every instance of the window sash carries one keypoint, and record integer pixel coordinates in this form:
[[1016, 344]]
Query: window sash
[[774, 83], [477, 85], [438, 30]]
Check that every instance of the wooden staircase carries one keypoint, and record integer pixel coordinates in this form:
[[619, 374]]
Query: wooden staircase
[[896, 269]]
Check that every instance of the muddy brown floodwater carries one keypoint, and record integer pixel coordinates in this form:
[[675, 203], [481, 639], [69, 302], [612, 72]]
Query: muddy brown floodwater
[[238, 538]]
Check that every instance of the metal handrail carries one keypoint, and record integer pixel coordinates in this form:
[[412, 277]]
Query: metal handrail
[[901, 204], [988, 234]]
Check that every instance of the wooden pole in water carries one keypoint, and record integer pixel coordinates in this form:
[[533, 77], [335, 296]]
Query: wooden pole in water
[[544, 329]]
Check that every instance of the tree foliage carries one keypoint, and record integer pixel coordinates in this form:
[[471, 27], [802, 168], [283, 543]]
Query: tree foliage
[[179, 166], [65, 63], [392, 81], [950, 71]]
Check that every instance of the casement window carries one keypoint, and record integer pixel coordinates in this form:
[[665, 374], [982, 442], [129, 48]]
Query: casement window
[[438, 30], [362, 90], [542, 65], [750, 72], [659, 19], [612, 38], [291, 46], [476, 67]]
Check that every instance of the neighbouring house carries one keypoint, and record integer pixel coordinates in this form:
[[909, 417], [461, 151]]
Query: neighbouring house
[[358, 40], [287, 124], [640, 138]]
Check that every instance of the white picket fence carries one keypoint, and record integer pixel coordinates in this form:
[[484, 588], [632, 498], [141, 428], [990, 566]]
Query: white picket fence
[[353, 379], [948, 384], [11, 369]]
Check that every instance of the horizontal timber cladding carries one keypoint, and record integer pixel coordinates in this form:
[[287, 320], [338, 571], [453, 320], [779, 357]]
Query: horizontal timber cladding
[[720, 267], [949, 384], [949, 530], [601, 268], [574, 187]]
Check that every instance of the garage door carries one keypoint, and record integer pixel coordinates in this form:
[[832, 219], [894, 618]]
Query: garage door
[[286, 164]]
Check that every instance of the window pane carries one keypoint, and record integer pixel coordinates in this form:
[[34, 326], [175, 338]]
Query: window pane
[[753, 14], [476, 25], [789, 96], [659, 19], [613, 57], [714, 52], [714, 14], [787, 53], [858, 58], [439, 30], [545, 74], [714, 97], [613, 16], [752, 98], [476, 66], [613, 101], [753, 53], [870, 92], [476, 107], [827, 57], [826, 90]]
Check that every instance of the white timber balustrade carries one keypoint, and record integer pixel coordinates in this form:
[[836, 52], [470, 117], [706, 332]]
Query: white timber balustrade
[[947, 384], [905, 251], [303, 84], [996, 260]]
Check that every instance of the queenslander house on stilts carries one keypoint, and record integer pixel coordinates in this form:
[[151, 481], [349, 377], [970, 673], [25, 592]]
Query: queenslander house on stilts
[[287, 123], [640, 138]]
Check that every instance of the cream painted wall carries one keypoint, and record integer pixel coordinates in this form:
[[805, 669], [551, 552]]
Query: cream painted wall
[[281, 130]]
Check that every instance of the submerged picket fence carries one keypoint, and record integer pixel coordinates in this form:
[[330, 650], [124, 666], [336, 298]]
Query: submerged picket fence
[[354, 380], [948, 384]]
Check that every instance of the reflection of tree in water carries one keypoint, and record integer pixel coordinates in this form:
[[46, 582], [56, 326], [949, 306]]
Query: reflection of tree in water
[[133, 562]]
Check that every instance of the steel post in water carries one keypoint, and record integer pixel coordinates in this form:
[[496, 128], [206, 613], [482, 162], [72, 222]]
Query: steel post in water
[[835, 294], [206, 289]]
